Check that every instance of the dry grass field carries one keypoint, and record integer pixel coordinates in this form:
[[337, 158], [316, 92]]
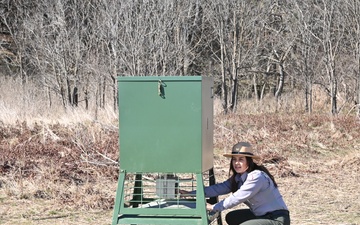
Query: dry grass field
[[64, 171]]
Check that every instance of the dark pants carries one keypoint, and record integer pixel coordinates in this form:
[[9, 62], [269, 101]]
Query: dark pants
[[246, 217]]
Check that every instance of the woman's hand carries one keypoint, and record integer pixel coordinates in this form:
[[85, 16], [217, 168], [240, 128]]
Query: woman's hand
[[209, 207], [184, 193]]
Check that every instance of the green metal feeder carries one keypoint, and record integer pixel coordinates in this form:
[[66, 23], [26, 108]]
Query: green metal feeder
[[166, 144]]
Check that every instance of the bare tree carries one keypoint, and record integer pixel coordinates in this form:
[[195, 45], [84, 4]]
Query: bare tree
[[279, 44], [74, 50], [353, 37], [330, 37], [236, 39], [306, 54]]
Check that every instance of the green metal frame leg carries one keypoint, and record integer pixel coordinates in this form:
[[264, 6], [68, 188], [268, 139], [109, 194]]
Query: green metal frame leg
[[119, 197], [200, 199], [214, 200]]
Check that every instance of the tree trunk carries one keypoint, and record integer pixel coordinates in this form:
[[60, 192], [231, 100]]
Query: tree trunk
[[103, 93], [115, 102], [234, 80], [311, 99], [75, 97], [308, 94], [68, 88], [223, 73], [262, 91], [333, 96], [358, 83], [255, 87], [333, 88], [49, 96], [281, 82]]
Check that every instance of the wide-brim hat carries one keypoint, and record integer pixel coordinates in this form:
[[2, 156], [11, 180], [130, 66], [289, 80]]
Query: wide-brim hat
[[242, 149]]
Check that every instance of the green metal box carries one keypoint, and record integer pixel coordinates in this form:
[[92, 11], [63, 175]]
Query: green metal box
[[166, 124]]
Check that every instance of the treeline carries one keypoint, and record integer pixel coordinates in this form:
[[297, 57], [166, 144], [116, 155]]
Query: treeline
[[74, 49]]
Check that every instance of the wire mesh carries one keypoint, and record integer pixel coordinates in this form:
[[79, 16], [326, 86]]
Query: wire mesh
[[161, 190]]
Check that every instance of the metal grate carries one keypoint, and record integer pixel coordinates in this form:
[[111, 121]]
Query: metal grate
[[161, 190]]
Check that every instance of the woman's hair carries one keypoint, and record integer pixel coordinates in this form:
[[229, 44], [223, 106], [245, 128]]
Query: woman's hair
[[251, 167]]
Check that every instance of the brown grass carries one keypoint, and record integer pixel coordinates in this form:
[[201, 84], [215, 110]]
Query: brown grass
[[61, 168]]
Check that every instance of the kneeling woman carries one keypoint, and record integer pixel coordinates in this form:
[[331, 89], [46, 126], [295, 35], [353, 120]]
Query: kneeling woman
[[251, 184]]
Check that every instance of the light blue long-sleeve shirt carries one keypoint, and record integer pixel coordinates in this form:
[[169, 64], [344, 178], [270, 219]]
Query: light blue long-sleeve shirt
[[256, 190]]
